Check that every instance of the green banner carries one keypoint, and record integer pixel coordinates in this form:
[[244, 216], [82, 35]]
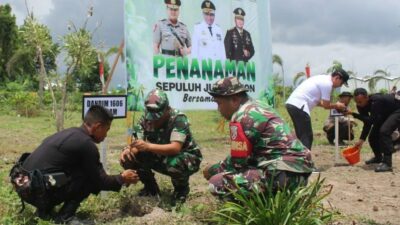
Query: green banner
[[185, 46]]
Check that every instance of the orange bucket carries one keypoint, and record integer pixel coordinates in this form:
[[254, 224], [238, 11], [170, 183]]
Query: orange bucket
[[351, 154]]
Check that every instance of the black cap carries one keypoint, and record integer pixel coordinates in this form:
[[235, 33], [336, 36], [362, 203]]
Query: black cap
[[174, 4], [239, 13], [208, 7], [345, 94], [343, 74]]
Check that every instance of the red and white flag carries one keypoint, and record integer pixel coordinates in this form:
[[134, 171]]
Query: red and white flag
[[101, 69], [308, 70]]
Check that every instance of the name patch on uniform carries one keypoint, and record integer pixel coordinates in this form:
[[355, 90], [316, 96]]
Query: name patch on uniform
[[239, 146]]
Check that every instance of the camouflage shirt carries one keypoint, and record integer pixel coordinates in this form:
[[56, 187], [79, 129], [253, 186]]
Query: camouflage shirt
[[275, 147], [176, 129]]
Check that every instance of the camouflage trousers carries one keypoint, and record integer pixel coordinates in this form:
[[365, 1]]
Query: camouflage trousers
[[179, 167], [225, 179]]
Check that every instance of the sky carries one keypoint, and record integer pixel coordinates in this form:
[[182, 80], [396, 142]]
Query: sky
[[361, 34]]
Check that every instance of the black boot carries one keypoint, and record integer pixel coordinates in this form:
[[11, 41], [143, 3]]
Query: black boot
[[150, 185], [386, 165], [67, 211], [44, 213], [180, 193], [373, 160]]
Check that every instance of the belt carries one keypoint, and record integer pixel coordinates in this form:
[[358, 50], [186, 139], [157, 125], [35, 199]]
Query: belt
[[170, 52]]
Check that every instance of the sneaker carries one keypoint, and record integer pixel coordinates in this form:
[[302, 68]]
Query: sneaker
[[373, 160], [383, 167]]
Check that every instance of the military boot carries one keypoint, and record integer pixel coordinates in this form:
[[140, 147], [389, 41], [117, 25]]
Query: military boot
[[386, 165], [373, 160], [180, 193], [67, 211], [150, 185]]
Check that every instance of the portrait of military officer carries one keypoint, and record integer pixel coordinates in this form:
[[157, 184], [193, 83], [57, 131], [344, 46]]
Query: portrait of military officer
[[238, 43], [170, 36], [207, 39]]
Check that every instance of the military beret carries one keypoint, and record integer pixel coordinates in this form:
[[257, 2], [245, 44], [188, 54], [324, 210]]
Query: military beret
[[208, 7], [227, 87], [239, 13], [155, 104], [174, 4]]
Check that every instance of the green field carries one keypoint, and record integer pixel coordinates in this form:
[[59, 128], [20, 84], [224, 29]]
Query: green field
[[21, 134]]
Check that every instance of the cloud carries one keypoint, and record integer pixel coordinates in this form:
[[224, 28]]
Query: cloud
[[109, 14], [316, 22]]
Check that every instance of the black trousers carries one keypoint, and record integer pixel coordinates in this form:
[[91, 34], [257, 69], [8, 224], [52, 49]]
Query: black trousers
[[78, 189], [343, 133], [380, 138], [302, 125]]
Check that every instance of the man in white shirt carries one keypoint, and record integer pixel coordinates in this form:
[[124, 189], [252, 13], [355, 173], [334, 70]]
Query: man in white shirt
[[315, 91], [208, 39]]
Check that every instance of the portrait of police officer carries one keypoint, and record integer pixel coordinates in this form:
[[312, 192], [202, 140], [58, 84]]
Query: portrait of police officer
[[238, 43], [170, 36], [207, 39]]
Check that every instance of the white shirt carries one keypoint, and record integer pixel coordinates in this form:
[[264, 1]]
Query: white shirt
[[205, 46], [309, 93]]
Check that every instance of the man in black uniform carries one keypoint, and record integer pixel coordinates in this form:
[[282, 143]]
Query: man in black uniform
[[68, 165], [382, 113], [238, 44]]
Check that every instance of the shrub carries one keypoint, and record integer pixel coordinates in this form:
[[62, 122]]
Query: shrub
[[25, 103], [300, 206]]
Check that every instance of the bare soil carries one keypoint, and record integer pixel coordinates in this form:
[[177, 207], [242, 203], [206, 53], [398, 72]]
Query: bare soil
[[358, 191]]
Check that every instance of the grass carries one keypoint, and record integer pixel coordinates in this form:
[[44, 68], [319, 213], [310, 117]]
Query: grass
[[20, 134]]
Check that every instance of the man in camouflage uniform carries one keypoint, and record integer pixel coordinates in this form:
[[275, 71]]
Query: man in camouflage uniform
[[263, 149], [171, 37], [165, 144]]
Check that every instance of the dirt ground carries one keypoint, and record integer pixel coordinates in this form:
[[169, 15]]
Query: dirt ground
[[360, 196], [359, 192]]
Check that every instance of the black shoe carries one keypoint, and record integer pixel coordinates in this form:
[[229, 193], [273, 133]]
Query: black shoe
[[67, 212], [181, 193], [147, 192], [373, 160], [383, 167], [44, 214]]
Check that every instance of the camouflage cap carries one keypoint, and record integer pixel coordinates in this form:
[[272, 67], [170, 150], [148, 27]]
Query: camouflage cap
[[155, 104], [226, 87]]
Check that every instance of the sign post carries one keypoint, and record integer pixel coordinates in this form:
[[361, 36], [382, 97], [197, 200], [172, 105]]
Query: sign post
[[336, 114]]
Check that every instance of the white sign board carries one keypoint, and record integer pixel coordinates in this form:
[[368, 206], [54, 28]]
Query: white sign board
[[335, 112], [115, 103]]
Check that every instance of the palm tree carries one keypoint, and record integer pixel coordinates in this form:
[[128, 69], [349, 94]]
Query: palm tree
[[335, 65], [381, 74], [299, 78], [276, 59]]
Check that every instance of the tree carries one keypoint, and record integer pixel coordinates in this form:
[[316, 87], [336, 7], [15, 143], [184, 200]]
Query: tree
[[335, 65], [37, 52], [276, 59], [89, 81], [8, 39]]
